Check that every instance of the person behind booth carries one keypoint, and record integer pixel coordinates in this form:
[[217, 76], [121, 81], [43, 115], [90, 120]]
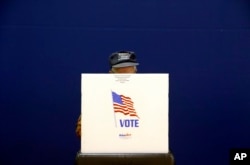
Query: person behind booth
[[120, 62]]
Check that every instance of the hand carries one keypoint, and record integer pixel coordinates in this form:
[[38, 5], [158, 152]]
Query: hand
[[78, 127]]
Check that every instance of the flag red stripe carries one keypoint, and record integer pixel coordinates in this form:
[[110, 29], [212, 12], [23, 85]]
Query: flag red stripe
[[124, 108], [122, 112], [132, 111]]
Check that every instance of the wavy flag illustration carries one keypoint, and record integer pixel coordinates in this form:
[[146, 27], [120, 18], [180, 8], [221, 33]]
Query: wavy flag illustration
[[123, 104]]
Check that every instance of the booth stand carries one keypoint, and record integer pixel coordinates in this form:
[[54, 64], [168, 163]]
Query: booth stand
[[125, 159]]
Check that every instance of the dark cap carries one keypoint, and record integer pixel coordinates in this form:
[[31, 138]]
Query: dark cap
[[122, 59]]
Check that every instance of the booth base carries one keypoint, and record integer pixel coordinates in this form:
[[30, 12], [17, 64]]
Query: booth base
[[125, 159]]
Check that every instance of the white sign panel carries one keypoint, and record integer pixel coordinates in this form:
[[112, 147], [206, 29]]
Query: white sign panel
[[124, 113]]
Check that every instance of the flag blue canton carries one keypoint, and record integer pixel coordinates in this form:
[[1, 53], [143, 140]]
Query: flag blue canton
[[116, 98]]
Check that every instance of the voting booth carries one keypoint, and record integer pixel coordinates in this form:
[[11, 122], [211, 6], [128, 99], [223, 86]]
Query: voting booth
[[124, 119]]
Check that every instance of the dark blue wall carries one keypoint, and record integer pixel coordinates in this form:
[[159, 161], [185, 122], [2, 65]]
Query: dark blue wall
[[46, 44]]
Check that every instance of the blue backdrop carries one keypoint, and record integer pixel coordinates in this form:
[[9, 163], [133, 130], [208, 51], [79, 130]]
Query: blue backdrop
[[46, 44]]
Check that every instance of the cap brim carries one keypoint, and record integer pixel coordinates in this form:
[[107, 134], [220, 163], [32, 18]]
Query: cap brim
[[125, 64]]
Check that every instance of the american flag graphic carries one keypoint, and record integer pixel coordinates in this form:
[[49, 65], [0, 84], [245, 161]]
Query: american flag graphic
[[123, 104]]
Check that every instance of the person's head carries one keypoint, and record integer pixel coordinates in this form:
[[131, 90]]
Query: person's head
[[123, 62]]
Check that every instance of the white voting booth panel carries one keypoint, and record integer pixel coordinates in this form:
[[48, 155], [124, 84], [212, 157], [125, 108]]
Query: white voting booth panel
[[124, 113]]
